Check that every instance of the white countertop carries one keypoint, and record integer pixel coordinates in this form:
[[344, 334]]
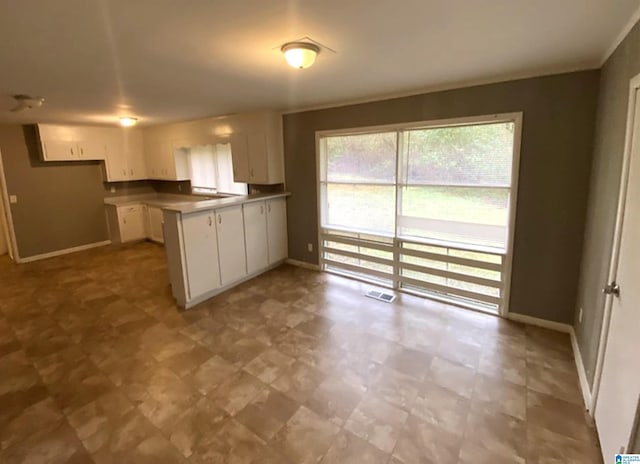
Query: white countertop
[[195, 206], [186, 203]]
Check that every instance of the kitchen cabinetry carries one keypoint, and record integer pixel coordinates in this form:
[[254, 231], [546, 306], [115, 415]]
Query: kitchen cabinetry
[[126, 223], [255, 235], [155, 221], [257, 158], [250, 238], [125, 159], [200, 250], [231, 249], [165, 161], [72, 143], [277, 229]]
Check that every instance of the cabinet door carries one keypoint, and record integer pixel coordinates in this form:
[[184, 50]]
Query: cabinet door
[[240, 158], [59, 150], [95, 149], [277, 229], [255, 235], [155, 225], [154, 158], [258, 159], [233, 260], [116, 161], [131, 223], [134, 154], [200, 253]]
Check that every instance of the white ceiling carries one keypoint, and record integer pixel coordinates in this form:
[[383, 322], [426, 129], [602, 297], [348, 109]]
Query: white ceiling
[[167, 60]]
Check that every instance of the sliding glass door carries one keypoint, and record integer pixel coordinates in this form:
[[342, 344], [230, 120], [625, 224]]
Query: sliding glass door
[[425, 208]]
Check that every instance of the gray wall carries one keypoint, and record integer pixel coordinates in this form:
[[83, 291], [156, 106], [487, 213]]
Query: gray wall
[[559, 113], [603, 194], [60, 205]]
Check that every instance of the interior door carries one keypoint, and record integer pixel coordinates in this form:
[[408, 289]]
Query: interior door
[[620, 381]]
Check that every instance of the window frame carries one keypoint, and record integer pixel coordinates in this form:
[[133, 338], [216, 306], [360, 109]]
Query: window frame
[[513, 117]]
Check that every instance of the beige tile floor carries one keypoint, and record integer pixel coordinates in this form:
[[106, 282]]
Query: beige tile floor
[[98, 365]]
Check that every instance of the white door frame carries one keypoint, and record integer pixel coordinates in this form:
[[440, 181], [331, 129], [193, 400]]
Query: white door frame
[[12, 244], [617, 237]]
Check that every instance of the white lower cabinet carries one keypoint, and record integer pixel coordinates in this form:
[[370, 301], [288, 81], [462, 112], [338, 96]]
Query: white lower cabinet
[[131, 223], [209, 251], [255, 235], [200, 249], [277, 229], [154, 231], [231, 249]]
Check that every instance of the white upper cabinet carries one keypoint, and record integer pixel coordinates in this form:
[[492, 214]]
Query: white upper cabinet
[[255, 235], [257, 158], [240, 157], [165, 160], [125, 155], [257, 151], [231, 248], [277, 229], [72, 143]]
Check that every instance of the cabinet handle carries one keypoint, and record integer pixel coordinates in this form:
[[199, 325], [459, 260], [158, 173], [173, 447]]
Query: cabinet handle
[[124, 171], [261, 209], [219, 219], [81, 151], [124, 220], [251, 172], [71, 150], [209, 221], [131, 171], [269, 207]]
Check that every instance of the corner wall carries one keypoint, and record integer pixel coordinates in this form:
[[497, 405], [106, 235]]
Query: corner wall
[[555, 161], [60, 205], [610, 134]]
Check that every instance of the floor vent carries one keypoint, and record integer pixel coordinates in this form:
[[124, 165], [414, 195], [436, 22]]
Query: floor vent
[[376, 295]]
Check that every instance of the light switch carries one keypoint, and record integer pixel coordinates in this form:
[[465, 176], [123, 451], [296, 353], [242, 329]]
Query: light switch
[[13, 199]]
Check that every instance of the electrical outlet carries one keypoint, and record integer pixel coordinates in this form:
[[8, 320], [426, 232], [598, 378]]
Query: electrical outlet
[[580, 316], [13, 199], [113, 189], [310, 247]]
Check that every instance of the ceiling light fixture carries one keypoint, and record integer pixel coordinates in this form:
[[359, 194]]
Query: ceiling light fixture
[[300, 55], [128, 122]]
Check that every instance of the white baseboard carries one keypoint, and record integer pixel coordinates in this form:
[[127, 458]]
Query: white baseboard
[[582, 374], [305, 265], [577, 356], [552, 325], [66, 251]]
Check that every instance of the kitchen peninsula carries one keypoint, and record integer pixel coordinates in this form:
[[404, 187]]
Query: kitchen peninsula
[[213, 245]]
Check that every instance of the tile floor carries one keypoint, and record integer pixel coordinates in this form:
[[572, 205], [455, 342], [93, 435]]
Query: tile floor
[[98, 365]]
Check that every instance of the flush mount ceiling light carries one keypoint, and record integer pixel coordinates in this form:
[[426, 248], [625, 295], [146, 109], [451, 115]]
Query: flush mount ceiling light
[[26, 102], [128, 122], [300, 55]]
